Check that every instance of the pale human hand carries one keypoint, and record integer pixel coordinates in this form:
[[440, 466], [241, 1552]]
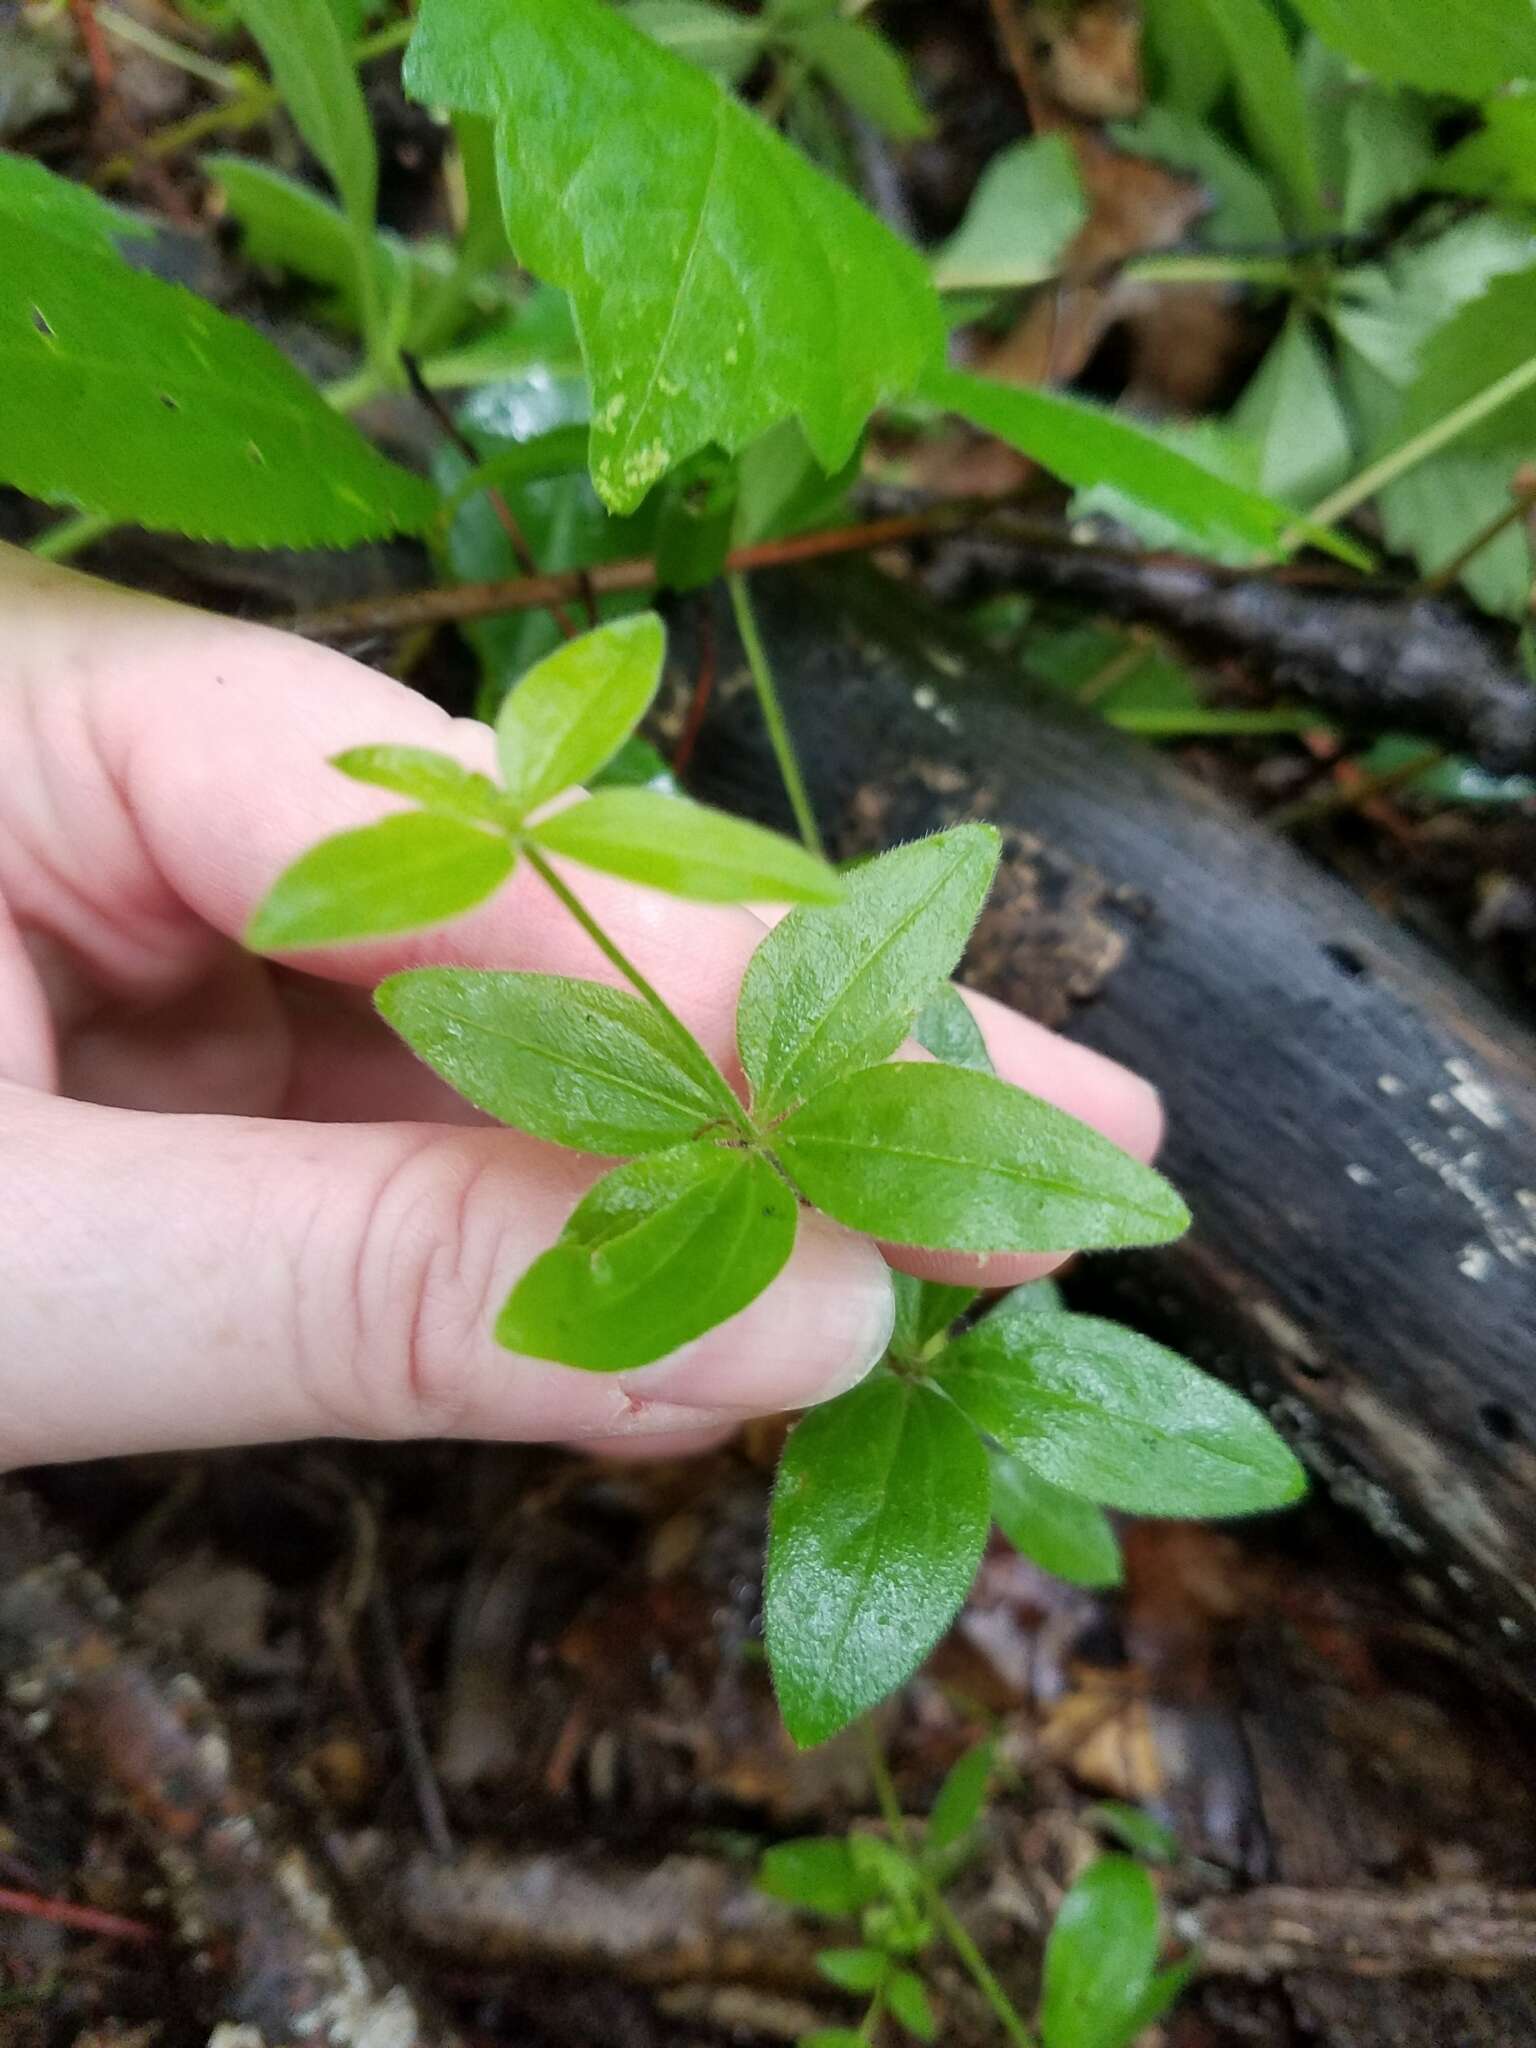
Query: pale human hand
[[235, 1209]]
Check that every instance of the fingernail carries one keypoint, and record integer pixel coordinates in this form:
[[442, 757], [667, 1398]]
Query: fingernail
[[822, 1325]]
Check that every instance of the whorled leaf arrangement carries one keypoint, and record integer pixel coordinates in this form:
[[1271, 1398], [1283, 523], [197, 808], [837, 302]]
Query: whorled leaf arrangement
[[886, 1495]]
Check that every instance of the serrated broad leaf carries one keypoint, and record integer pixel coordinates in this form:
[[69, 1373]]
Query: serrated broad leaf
[[854, 1969], [1058, 1531], [832, 990], [946, 1026], [819, 1873], [1026, 208], [924, 1308], [879, 1517], [572, 1062], [687, 849], [1099, 1957], [576, 708], [37, 198], [1088, 447], [135, 399], [403, 874], [721, 284], [436, 781], [1104, 1412], [958, 1161], [660, 1251], [1470, 47], [962, 1797], [908, 2001]]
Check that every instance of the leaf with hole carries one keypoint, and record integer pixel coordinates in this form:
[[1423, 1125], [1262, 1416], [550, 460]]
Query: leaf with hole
[[179, 418], [832, 990], [687, 849], [1058, 1531], [661, 1250], [879, 1517], [959, 1161], [1103, 1412], [1099, 1958], [576, 708], [721, 284], [403, 874], [572, 1062]]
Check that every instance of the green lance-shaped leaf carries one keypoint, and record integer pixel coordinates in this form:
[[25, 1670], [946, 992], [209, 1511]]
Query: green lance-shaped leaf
[[820, 1873], [1063, 1534], [687, 849], [660, 1251], [404, 873], [436, 781], [575, 708], [832, 990], [853, 1969], [909, 2004], [133, 398], [1105, 1413], [1100, 1957], [879, 1517], [946, 1026], [721, 284], [569, 1061], [306, 51], [924, 1309], [939, 1156], [1470, 47], [962, 1797], [293, 226], [1028, 205], [1085, 446]]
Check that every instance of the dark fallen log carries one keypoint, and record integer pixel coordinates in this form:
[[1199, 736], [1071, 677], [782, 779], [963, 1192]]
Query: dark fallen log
[[1354, 1126], [130, 1728]]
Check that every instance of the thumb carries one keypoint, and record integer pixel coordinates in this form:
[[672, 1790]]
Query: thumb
[[170, 1282]]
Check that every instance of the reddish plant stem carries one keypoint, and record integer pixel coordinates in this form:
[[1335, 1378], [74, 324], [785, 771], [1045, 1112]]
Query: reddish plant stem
[[530, 593], [80, 1919], [703, 690]]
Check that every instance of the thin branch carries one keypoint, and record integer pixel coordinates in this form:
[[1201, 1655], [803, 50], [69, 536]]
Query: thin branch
[[773, 714], [532, 593]]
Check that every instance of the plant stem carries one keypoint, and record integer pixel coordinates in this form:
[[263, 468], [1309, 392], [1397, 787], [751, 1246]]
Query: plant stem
[[1522, 497], [222, 77], [443, 606], [70, 535], [1279, 271], [943, 1913], [698, 1060], [773, 713], [1338, 504]]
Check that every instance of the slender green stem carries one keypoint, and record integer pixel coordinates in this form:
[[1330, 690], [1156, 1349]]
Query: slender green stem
[[773, 712], [222, 77], [697, 1059], [871, 2020], [394, 37], [1279, 271], [70, 535], [945, 1916], [1338, 504]]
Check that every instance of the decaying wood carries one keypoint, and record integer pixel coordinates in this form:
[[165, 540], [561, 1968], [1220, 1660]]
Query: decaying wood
[[1443, 1929], [1354, 1127], [133, 1729]]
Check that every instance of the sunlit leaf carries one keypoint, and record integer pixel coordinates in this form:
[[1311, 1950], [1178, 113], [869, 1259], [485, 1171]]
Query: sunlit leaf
[[687, 849], [577, 707], [404, 873]]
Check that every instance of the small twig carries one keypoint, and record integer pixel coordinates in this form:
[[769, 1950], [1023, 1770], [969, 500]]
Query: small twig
[[1015, 45], [703, 691], [1355, 794], [526, 559], [1522, 498], [413, 1747], [773, 713], [532, 593], [79, 1919]]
